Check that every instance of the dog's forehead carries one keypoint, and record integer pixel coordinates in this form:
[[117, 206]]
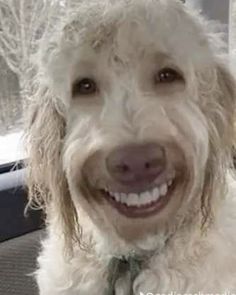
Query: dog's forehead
[[128, 30], [132, 28]]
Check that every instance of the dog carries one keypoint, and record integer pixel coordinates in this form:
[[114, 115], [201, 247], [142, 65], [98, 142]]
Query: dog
[[130, 135]]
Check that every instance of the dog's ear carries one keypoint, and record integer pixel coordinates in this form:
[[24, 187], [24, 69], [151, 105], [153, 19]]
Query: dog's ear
[[226, 115], [217, 88], [220, 114], [47, 184]]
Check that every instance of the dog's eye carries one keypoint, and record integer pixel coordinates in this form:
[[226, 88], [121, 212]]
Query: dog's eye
[[168, 75], [84, 86]]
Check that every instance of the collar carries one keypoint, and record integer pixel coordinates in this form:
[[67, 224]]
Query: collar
[[130, 266], [120, 267]]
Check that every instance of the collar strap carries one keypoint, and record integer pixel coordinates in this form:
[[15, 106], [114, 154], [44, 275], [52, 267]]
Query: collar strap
[[119, 267]]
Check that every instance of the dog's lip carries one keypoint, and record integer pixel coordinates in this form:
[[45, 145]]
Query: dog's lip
[[141, 186], [143, 211]]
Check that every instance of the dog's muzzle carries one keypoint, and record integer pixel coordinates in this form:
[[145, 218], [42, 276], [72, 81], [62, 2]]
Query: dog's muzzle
[[140, 179]]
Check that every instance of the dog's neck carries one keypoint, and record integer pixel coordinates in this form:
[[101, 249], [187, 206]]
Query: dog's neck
[[128, 260], [112, 245]]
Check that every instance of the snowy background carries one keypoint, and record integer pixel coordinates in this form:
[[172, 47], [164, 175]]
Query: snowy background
[[22, 24]]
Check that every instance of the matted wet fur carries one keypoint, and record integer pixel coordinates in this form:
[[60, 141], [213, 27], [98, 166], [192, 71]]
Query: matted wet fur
[[122, 45]]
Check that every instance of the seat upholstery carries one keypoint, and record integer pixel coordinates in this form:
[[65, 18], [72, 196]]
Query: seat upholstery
[[17, 263], [13, 201]]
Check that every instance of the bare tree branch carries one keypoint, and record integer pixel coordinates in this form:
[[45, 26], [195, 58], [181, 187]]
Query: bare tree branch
[[22, 24]]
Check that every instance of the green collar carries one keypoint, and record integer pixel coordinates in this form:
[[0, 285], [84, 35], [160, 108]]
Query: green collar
[[119, 267]]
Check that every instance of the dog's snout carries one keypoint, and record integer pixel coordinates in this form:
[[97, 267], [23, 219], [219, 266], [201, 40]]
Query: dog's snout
[[136, 163]]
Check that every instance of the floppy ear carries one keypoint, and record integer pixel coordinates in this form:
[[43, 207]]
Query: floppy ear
[[47, 184], [220, 114], [227, 101]]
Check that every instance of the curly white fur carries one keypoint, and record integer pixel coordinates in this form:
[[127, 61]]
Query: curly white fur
[[122, 44]]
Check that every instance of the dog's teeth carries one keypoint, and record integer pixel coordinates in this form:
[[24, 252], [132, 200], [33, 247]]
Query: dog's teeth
[[155, 194], [145, 198], [123, 198], [128, 201], [163, 189], [142, 198], [117, 197], [170, 182], [133, 200]]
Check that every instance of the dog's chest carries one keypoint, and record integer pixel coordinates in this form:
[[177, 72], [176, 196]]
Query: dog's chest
[[166, 279], [83, 276]]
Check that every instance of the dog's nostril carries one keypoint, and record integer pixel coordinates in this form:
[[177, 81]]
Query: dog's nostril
[[136, 162], [147, 165], [151, 164], [123, 168]]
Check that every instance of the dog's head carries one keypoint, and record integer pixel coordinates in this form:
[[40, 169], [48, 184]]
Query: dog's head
[[133, 119]]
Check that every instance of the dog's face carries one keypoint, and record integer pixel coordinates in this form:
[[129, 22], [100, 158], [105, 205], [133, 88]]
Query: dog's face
[[148, 115]]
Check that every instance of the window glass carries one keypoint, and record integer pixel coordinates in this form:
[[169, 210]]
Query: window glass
[[10, 115], [22, 24]]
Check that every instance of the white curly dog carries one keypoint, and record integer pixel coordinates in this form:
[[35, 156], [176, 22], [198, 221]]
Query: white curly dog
[[131, 134]]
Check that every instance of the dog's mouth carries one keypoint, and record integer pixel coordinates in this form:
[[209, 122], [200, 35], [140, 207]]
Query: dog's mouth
[[143, 203]]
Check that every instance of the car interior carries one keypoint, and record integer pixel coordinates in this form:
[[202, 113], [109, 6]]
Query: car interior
[[20, 234]]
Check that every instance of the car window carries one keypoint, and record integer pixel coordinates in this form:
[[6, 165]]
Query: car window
[[22, 23], [11, 119]]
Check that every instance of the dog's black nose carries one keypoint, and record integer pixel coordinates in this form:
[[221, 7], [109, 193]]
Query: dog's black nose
[[134, 164]]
